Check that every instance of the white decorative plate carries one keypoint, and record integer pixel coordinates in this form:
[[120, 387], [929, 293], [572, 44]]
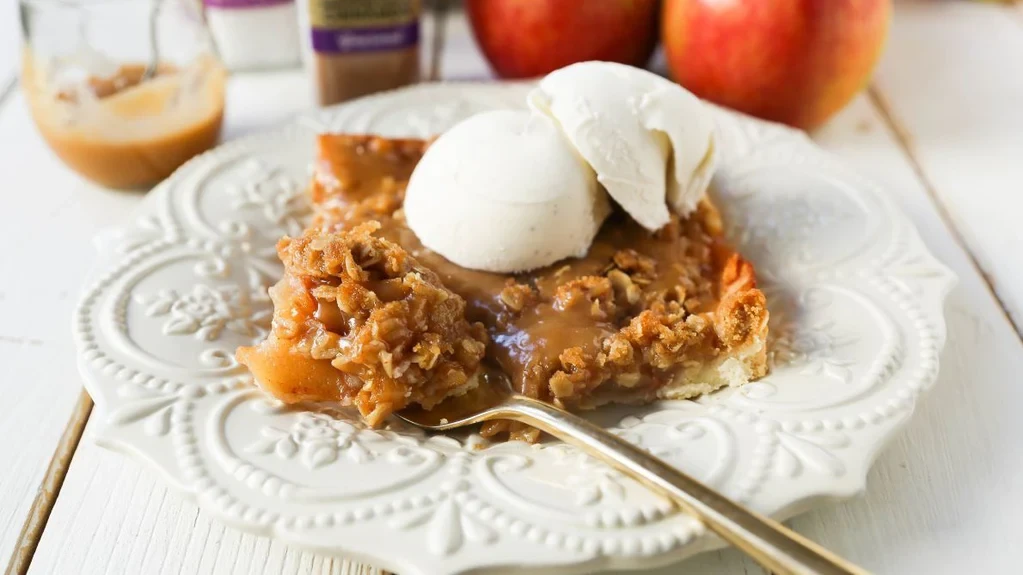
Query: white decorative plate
[[856, 324]]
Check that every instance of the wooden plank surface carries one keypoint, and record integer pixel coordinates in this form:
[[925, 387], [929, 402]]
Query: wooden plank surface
[[49, 217], [114, 516], [53, 480], [952, 77]]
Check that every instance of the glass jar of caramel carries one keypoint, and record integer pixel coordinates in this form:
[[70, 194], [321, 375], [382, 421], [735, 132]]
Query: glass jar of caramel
[[123, 91]]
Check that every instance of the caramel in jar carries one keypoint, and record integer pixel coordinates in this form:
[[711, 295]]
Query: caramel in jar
[[123, 131]]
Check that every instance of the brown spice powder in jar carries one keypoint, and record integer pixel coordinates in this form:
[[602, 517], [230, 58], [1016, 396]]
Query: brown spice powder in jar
[[361, 47]]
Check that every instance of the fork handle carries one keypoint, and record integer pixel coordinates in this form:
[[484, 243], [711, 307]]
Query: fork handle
[[770, 543]]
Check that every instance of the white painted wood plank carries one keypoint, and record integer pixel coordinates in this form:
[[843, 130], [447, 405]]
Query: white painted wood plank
[[113, 516], [952, 79], [49, 216]]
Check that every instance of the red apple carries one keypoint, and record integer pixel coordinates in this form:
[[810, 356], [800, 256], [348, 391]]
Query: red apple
[[791, 61], [527, 38]]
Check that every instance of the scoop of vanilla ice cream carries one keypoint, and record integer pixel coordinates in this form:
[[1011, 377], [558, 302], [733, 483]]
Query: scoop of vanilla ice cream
[[650, 141], [504, 191]]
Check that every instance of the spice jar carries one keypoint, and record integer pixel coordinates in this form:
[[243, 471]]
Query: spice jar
[[357, 47]]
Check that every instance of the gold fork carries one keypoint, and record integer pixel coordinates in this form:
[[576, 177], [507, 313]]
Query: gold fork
[[770, 543]]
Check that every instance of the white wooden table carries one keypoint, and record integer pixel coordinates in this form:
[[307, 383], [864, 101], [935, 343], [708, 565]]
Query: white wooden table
[[941, 127]]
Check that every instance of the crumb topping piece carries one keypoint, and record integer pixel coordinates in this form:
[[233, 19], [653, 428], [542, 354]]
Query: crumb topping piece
[[390, 330]]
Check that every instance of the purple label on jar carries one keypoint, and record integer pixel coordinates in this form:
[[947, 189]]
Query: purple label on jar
[[244, 3], [375, 39]]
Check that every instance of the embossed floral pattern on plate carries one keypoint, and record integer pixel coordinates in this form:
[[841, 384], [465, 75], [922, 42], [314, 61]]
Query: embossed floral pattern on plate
[[857, 325]]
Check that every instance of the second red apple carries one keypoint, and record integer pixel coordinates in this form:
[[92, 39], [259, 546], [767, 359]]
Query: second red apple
[[792, 61]]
